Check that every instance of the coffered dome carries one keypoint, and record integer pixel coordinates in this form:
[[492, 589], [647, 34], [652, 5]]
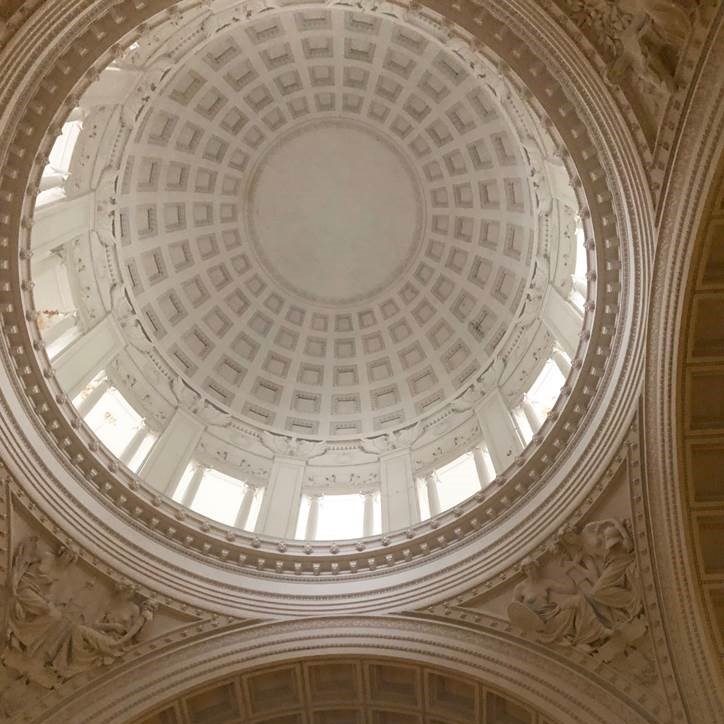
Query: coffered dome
[[324, 275], [326, 221]]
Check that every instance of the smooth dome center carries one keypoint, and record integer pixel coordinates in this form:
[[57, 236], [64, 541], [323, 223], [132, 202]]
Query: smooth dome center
[[335, 212]]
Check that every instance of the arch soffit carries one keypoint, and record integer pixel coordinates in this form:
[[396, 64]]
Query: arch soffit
[[687, 209], [548, 684]]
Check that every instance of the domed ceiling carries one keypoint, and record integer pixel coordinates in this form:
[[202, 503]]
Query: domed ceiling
[[326, 221], [323, 343], [339, 236]]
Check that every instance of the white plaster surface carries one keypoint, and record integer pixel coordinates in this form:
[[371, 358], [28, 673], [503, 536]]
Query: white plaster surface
[[336, 212]]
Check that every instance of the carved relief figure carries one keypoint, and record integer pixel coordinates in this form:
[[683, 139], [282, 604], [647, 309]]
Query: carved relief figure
[[557, 611], [98, 644], [671, 20], [615, 585], [46, 636], [643, 39], [33, 624], [595, 603], [640, 55]]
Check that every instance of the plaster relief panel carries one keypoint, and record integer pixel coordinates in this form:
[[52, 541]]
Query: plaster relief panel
[[642, 41], [64, 621], [581, 593]]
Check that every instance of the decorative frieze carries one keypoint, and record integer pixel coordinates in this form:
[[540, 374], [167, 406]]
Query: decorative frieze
[[293, 447], [397, 440]]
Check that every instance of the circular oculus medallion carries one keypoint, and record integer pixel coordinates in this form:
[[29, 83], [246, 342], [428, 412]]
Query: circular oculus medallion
[[335, 212]]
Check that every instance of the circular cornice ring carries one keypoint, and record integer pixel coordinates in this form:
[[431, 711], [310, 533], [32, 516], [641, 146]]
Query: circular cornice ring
[[235, 572]]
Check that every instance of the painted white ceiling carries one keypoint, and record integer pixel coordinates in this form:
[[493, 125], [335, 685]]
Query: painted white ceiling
[[335, 213], [328, 218]]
